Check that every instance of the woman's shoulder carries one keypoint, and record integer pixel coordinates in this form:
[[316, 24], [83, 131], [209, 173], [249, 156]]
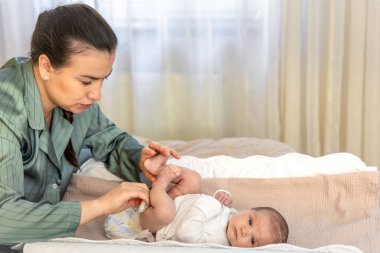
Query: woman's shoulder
[[13, 67], [12, 75], [12, 88]]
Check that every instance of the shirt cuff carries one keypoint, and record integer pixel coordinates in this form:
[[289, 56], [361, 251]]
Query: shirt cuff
[[75, 215], [221, 190]]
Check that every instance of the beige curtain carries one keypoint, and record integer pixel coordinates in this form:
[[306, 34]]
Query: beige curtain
[[304, 72], [329, 77]]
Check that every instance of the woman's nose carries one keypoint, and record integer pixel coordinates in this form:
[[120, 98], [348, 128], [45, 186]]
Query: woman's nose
[[96, 92]]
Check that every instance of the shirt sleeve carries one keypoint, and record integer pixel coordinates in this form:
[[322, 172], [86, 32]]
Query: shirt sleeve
[[22, 220], [116, 148], [191, 228]]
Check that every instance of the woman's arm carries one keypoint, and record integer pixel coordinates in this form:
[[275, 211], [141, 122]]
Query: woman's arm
[[121, 153], [116, 148], [22, 220]]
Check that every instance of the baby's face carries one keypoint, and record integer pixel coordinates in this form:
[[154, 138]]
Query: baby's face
[[249, 228]]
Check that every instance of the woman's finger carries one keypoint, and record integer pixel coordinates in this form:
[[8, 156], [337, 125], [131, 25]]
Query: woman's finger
[[164, 150], [175, 154]]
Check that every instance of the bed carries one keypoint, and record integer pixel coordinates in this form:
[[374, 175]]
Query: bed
[[331, 203]]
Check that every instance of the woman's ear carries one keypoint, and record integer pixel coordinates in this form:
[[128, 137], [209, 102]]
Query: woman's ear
[[44, 67]]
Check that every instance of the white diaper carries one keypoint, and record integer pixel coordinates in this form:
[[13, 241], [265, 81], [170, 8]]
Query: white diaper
[[126, 224]]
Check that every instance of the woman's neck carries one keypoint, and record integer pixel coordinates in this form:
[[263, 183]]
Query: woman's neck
[[47, 106]]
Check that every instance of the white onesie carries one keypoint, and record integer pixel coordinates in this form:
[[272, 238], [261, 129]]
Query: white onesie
[[199, 218]]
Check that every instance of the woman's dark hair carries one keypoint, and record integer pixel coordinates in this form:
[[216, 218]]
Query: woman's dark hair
[[67, 30]]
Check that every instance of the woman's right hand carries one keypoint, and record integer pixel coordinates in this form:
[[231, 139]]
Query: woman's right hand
[[125, 195]]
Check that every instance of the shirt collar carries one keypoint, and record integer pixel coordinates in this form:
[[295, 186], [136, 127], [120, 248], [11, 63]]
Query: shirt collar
[[60, 132]]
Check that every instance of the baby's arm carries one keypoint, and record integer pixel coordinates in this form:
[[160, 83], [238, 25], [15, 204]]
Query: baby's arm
[[224, 197]]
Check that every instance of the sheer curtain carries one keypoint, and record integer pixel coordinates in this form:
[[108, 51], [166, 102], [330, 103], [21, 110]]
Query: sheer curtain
[[330, 90], [191, 69], [300, 71]]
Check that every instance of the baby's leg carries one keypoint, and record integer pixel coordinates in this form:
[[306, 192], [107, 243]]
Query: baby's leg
[[187, 183], [161, 210]]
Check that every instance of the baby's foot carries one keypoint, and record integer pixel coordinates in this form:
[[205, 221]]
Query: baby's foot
[[168, 174], [155, 164]]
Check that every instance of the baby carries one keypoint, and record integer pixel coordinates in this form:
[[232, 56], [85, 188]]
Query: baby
[[199, 218]]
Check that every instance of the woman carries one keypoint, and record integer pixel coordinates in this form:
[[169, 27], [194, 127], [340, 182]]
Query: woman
[[48, 114]]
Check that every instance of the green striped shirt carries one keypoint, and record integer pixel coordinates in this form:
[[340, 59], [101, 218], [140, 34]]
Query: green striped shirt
[[34, 173]]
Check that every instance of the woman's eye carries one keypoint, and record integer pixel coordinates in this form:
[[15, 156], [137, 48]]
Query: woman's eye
[[253, 240], [86, 83], [250, 222]]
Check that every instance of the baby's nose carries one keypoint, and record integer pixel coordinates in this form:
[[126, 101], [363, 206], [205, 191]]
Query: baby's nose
[[243, 231]]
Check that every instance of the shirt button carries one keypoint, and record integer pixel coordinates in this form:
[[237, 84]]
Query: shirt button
[[55, 186]]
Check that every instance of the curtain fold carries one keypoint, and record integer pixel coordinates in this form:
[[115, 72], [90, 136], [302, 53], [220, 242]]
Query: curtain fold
[[371, 109], [332, 85], [299, 71]]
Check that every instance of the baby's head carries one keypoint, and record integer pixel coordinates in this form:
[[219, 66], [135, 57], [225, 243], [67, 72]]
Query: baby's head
[[257, 227]]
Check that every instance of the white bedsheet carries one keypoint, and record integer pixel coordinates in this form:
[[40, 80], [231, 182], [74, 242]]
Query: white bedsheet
[[288, 165], [77, 245]]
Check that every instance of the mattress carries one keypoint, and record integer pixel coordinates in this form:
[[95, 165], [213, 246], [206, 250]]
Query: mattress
[[326, 212]]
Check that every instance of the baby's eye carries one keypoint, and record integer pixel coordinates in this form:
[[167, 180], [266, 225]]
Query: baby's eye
[[250, 221], [253, 241], [86, 83]]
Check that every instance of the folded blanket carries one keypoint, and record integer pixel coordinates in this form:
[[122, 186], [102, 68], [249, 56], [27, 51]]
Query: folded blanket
[[257, 166]]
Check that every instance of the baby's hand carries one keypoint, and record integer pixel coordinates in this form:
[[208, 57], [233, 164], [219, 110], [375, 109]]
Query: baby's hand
[[224, 197]]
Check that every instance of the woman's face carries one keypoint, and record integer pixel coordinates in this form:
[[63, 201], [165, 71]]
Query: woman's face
[[77, 85]]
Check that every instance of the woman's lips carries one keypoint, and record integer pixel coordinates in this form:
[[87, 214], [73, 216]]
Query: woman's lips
[[85, 106]]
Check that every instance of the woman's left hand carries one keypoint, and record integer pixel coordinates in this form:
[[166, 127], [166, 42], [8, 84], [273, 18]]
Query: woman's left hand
[[153, 157]]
